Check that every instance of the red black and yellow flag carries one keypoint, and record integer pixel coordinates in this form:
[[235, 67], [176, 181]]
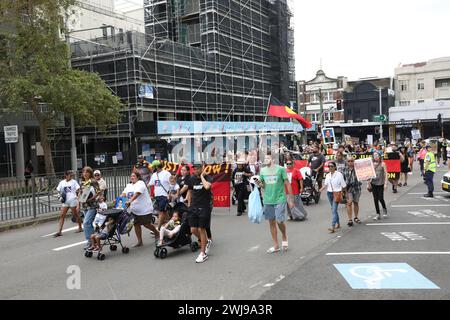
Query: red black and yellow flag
[[280, 110]]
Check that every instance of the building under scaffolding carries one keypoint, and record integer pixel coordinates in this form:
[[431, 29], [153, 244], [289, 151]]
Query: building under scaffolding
[[200, 60]]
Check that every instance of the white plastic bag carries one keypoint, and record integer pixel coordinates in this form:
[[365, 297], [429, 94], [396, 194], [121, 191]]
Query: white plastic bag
[[255, 208]]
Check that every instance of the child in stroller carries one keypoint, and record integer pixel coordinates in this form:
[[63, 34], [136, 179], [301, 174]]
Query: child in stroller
[[179, 236], [118, 222], [102, 234], [170, 229]]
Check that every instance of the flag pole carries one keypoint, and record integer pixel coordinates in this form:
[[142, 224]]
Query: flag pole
[[268, 106]]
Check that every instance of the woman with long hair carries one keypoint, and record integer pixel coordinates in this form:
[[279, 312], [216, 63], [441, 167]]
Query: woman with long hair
[[90, 191]]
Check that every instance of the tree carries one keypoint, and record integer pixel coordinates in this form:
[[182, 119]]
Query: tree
[[35, 70]]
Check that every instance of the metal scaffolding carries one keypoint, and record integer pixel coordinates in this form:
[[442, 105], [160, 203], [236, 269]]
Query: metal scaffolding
[[204, 60]]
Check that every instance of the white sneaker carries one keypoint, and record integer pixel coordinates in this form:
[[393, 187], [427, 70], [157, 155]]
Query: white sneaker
[[377, 217], [201, 258], [208, 246]]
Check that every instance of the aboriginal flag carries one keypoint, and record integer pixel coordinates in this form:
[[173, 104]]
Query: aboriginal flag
[[280, 110]]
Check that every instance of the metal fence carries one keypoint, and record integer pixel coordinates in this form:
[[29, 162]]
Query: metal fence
[[22, 198]]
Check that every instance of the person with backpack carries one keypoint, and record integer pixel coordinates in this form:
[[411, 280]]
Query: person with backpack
[[296, 180], [161, 181]]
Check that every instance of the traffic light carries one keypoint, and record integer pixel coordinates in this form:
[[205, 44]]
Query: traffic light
[[339, 104], [439, 119]]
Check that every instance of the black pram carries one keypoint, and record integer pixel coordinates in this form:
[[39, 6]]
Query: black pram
[[123, 223], [181, 239]]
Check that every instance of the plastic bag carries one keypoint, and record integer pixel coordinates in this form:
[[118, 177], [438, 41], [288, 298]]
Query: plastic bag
[[255, 208]]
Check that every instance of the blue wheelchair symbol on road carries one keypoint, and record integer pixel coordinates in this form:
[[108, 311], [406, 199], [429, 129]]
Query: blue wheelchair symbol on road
[[383, 276]]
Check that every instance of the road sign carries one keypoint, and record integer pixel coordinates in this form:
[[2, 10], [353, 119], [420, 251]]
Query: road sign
[[84, 139], [380, 118], [11, 134], [383, 276]]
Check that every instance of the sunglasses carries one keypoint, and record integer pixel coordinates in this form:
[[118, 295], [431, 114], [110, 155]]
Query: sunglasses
[[331, 166], [289, 163]]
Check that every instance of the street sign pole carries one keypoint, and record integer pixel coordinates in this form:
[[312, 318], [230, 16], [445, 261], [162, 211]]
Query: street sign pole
[[381, 113], [11, 160]]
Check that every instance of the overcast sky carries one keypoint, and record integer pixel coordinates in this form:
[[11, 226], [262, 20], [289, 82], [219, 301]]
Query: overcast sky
[[361, 38]]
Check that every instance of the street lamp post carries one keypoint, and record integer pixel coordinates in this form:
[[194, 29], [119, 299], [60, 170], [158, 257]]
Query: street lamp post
[[381, 113]]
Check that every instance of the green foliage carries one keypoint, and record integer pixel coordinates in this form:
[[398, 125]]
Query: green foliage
[[34, 66]]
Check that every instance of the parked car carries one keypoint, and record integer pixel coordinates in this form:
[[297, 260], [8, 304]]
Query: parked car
[[445, 182]]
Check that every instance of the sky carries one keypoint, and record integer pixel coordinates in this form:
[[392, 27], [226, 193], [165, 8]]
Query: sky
[[361, 38]]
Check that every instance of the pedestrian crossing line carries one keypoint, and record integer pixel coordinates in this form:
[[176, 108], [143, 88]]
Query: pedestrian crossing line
[[389, 253], [419, 205], [407, 223], [65, 230], [422, 193], [70, 246]]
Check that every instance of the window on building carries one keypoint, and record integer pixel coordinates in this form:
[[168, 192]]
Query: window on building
[[403, 84], [404, 103], [329, 116], [442, 83], [420, 101], [420, 84], [314, 117]]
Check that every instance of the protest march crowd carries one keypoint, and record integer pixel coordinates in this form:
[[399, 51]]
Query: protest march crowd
[[175, 201]]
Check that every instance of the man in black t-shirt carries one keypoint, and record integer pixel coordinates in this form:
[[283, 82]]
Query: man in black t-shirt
[[316, 162], [200, 207], [240, 180]]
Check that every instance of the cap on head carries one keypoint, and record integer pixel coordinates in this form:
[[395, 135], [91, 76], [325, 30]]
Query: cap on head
[[97, 172], [140, 157], [156, 164]]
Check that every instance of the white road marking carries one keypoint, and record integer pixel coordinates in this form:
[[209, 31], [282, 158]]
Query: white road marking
[[403, 236], [222, 298], [255, 285], [70, 246], [281, 277], [422, 193], [267, 285], [389, 253], [65, 230], [253, 248], [419, 205], [407, 223]]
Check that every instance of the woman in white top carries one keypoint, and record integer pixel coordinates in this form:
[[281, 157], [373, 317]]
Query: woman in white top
[[334, 182], [140, 205], [68, 189]]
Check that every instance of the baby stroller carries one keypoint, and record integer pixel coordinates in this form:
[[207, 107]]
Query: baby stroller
[[311, 192], [182, 238], [123, 223]]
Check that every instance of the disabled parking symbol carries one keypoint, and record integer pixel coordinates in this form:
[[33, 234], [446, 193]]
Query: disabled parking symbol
[[383, 276]]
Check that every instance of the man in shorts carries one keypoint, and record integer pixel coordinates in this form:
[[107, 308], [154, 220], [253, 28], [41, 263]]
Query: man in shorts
[[199, 217], [161, 181], [353, 191], [274, 181]]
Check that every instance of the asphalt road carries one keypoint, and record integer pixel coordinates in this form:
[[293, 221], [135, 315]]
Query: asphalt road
[[416, 233], [238, 267]]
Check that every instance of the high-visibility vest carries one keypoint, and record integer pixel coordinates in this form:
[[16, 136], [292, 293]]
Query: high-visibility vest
[[429, 157]]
